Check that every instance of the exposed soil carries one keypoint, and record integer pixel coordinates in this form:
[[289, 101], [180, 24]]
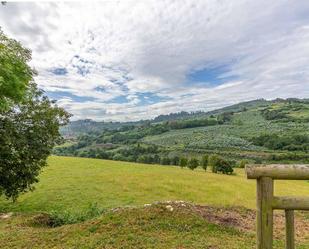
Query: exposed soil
[[245, 219]]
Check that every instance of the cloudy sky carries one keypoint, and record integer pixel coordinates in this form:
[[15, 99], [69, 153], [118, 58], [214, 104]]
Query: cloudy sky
[[128, 60]]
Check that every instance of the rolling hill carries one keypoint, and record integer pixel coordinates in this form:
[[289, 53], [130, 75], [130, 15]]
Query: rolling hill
[[256, 131]]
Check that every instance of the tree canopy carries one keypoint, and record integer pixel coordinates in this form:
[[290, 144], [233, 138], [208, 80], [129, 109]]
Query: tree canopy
[[29, 121], [15, 73]]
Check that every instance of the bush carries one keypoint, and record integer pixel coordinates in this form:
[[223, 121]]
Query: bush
[[183, 162], [193, 163], [219, 164], [204, 162], [56, 218], [225, 167]]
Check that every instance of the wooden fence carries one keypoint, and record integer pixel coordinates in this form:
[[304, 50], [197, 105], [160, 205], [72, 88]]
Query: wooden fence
[[267, 202]]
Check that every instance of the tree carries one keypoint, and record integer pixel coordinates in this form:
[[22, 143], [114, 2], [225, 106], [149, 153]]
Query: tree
[[29, 121], [193, 163], [204, 162], [15, 74], [183, 162], [28, 133]]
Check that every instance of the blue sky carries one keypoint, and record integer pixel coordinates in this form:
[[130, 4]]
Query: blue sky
[[130, 60]]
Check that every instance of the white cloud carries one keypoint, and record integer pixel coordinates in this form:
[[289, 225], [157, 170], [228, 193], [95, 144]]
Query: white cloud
[[116, 49]]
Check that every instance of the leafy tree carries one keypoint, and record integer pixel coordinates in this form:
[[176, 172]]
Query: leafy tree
[[204, 162], [193, 163], [28, 133], [15, 74], [183, 162], [29, 121]]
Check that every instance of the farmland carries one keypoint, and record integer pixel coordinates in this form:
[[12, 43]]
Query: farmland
[[256, 131]]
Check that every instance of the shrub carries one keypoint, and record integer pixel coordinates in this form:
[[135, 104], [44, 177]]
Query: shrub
[[193, 163], [219, 164], [56, 218], [183, 162], [204, 162], [225, 167]]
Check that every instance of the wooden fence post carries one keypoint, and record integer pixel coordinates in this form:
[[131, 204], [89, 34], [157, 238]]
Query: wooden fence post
[[267, 202], [265, 192], [289, 226]]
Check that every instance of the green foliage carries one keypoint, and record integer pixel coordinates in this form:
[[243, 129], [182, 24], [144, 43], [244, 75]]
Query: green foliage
[[175, 160], [276, 142], [183, 162], [193, 163], [15, 74], [59, 218], [28, 133], [204, 162], [273, 114], [183, 124], [218, 164], [225, 117], [214, 161]]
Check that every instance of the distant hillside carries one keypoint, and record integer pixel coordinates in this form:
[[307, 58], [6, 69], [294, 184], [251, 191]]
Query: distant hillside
[[257, 131], [85, 126], [75, 128]]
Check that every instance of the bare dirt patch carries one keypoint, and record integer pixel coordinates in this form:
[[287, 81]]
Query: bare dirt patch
[[245, 219]]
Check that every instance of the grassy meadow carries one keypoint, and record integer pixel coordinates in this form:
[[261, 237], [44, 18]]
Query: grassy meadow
[[70, 185], [75, 183]]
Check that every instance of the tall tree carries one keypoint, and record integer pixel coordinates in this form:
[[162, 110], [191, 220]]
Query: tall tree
[[29, 122]]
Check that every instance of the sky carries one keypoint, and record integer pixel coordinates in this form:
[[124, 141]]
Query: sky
[[130, 60]]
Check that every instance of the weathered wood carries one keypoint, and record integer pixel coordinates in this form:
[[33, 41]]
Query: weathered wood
[[265, 192], [278, 171], [289, 226], [290, 202]]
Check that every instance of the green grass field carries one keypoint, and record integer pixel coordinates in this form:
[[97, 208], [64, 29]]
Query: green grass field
[[74, 183], [71, 184]]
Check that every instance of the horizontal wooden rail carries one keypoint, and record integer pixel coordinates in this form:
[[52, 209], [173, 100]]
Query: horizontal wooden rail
[[267, 202], [290, 203], [278, 171]]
